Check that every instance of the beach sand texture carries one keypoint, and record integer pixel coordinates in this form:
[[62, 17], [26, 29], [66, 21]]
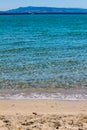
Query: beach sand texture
[[43, 115]]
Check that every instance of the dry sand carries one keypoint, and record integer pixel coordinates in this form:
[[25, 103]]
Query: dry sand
[[43, 115]]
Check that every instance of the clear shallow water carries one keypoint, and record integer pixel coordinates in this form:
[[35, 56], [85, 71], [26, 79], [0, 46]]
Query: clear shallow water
[[43, 51]]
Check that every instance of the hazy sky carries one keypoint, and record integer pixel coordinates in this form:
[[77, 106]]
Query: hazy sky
[[9, 4]]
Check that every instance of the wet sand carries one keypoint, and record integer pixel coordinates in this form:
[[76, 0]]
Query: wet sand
[[43, 115]]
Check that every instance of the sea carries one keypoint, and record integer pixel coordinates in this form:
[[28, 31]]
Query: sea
[[43, 56]]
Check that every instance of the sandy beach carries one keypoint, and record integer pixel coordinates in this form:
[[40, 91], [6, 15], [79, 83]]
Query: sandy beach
[[43, 115]]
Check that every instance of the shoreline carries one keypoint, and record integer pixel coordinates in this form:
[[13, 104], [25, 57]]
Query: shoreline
[[45, 93]]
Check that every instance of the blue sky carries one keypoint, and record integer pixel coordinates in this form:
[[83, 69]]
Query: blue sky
[[9, 4]]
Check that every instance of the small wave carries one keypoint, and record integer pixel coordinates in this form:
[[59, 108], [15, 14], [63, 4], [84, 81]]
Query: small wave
[[58, 96]]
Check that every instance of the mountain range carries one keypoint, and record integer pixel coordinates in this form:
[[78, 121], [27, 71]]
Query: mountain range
[[43, 10]]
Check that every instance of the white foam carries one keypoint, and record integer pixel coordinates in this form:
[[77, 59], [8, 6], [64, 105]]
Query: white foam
[[58, 96]]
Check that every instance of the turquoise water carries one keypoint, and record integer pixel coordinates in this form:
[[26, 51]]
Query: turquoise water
[[43, 51]]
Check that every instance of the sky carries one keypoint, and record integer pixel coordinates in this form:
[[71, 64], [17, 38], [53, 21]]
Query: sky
[[10, 4]]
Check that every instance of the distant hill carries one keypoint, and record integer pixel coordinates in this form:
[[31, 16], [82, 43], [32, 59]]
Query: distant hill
[[1, 12], [43, 10]]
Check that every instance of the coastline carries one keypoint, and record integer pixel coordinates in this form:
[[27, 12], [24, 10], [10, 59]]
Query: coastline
[[28, 114], [69, 94]]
